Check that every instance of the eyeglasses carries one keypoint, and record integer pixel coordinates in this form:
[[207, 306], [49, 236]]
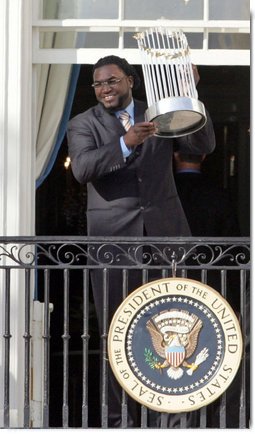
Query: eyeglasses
[[111, 82]]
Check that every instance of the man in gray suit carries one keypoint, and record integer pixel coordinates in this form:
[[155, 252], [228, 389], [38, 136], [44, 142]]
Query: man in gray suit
[[129, 175]]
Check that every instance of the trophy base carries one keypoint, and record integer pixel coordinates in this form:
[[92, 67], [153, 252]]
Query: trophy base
[[176, 116]]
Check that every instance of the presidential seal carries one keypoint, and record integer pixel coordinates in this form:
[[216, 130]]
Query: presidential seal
[[175, 345]]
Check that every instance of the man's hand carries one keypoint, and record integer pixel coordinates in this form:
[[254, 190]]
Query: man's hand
[[138, 133]]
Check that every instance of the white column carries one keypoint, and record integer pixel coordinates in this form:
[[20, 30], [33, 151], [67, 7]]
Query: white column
[[17, 182], [17, 210]]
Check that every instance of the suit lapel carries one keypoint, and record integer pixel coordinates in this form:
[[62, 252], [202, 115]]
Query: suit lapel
[[109, 121], [139, 109]]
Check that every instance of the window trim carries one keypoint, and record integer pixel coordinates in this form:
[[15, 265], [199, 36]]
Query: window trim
[[204, 56]]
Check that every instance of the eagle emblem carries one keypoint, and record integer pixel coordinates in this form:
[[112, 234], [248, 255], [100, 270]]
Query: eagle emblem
[[174, 334]]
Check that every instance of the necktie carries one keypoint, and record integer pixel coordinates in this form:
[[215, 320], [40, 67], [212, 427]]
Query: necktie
[[125, 120]]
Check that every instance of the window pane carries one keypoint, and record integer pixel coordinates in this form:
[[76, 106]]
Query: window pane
[[129, 40], [58, 39], [98, 40], [164, 9], [195, 40], [62, 9], [229, 10], [79, 40], [229, 41]]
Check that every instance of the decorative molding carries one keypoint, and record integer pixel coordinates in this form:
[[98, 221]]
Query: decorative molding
[[128, 254]]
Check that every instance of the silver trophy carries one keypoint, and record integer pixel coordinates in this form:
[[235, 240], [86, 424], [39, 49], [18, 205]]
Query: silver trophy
[[169, 83]]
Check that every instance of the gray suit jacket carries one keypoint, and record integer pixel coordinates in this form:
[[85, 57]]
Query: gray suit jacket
[[124, 197]]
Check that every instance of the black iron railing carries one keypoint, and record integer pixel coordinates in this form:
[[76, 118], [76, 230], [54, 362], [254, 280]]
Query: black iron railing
[[62, 372]]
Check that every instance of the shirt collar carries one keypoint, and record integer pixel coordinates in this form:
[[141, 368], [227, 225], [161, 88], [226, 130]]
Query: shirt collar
[[129, 109]]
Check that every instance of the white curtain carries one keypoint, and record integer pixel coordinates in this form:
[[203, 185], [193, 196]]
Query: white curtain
[[52, 86]]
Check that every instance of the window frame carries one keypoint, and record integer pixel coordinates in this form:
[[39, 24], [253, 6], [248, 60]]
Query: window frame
[[203, 56]]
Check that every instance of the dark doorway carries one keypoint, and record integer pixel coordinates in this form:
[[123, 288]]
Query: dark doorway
[[225, 91], [61, 209]]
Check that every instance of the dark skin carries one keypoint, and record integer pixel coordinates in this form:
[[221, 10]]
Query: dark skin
[[118, 97]]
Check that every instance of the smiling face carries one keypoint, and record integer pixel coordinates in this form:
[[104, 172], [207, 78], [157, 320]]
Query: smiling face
[[117, 96]]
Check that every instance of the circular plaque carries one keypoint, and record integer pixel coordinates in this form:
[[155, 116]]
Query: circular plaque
[[175, 345]]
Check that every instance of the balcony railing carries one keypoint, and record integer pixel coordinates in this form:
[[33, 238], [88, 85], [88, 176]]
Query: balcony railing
[[55, 362]]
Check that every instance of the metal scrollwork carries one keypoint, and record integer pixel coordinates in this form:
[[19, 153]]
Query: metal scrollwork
[[20, 254], [128, 253]]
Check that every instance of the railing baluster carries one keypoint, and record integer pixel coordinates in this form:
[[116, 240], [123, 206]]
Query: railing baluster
[[27, 337], [66, 337], [7, 337], [144, 410], [104, 408], [184, 273], [245, 315], [145, 275], [144, 417], [203, 410], [46, 348], [223, 275], [204, 276], [223, 398], [164, 273], [183, 420], [85, 344], [164, 417], [124, 407]]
